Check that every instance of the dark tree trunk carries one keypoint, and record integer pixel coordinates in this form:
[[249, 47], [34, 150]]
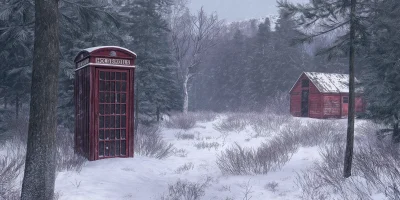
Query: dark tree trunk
[[16, 106], [348, 159], [39, 177]]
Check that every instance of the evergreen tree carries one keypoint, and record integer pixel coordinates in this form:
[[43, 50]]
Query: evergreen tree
[[156, 88], [382, 77]]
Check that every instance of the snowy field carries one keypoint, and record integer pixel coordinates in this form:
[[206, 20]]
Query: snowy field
[[148, 178], [193, 166]]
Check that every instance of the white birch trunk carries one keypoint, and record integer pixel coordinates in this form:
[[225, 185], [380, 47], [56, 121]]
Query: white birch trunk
[[185, 96]]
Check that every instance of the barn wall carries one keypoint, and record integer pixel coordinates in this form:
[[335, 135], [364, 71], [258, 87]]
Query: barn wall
[[331, 105], [314, 101]]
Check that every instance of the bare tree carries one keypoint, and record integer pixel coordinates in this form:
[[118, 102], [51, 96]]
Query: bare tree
[[192, 37], [39, 177]]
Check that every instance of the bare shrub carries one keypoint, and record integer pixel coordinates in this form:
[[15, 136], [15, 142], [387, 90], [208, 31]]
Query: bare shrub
[[184, 190], [207, 145], [271, 186], [149, 142], [319, 132], [179, 152], [376, 169], [181, 121], [66, 157], [233, 123], [184, 136], [186, 167], [11, 167], [205, 116], [268, 157]]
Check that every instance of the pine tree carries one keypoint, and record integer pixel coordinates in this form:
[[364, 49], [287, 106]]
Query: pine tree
[[156, 88], [382, 76]]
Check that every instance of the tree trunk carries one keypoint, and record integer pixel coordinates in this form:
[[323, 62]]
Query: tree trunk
[[158, 113], [16, 106], [39, 176], [185, 96], [348, 159]]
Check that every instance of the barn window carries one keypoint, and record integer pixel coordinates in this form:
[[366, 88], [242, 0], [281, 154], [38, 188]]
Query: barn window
[[304, 83], [345, 99]]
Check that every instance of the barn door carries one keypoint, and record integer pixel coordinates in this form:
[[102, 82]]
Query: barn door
[[112, 111], [304, 103]]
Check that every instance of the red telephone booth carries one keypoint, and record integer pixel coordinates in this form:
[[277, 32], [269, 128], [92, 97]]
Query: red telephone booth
[[104, 78]]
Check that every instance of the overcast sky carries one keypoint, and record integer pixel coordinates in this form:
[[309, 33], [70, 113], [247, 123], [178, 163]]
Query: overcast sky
[[235, 10]]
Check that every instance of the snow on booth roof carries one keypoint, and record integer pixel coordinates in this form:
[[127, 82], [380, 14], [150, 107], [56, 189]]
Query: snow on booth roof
[[102, 47], [330, 82]]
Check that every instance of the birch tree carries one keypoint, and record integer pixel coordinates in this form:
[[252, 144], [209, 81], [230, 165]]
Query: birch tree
[[192, 37]]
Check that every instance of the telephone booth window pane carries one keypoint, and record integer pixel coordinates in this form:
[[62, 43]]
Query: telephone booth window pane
[[123, 121], [123, 147], [117, 109], [123, 108], [107, 86], [123, 98], [112, 134], [107, 149], [107, 75], [101, 149], [101, 134], [101, 122], [102, 97], [102, 76], [102, 85], [112, 76], [123, 86], [112, 86], [117, 134], [123, 134], [112, 111], [112, 148], [112, 98], [117, 121], [123, 76], [118, 76], [107, 134], [117, 148], [118, 86], [112, 122], [101, 107]]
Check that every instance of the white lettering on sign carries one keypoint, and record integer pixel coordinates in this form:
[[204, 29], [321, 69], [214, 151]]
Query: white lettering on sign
[[83, 63], [112, 61]]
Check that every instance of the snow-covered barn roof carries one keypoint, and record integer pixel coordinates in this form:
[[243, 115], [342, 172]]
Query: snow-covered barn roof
[[330, 82]]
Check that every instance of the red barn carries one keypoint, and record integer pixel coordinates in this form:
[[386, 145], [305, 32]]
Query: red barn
[[322, 95]]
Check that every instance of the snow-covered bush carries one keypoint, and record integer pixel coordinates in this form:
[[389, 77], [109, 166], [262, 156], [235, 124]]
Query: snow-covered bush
[[181, 121], [205, 116], [184, 136], [185, 190], [376, 169], [11, 167], [207, 145], [233, 123], [149, 142], [67, 159], [269, 157]]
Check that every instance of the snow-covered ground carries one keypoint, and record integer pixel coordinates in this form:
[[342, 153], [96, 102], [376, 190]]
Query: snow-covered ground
[[143, 178]]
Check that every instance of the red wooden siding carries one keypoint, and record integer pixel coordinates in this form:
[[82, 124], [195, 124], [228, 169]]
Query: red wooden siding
[[321, 105]]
